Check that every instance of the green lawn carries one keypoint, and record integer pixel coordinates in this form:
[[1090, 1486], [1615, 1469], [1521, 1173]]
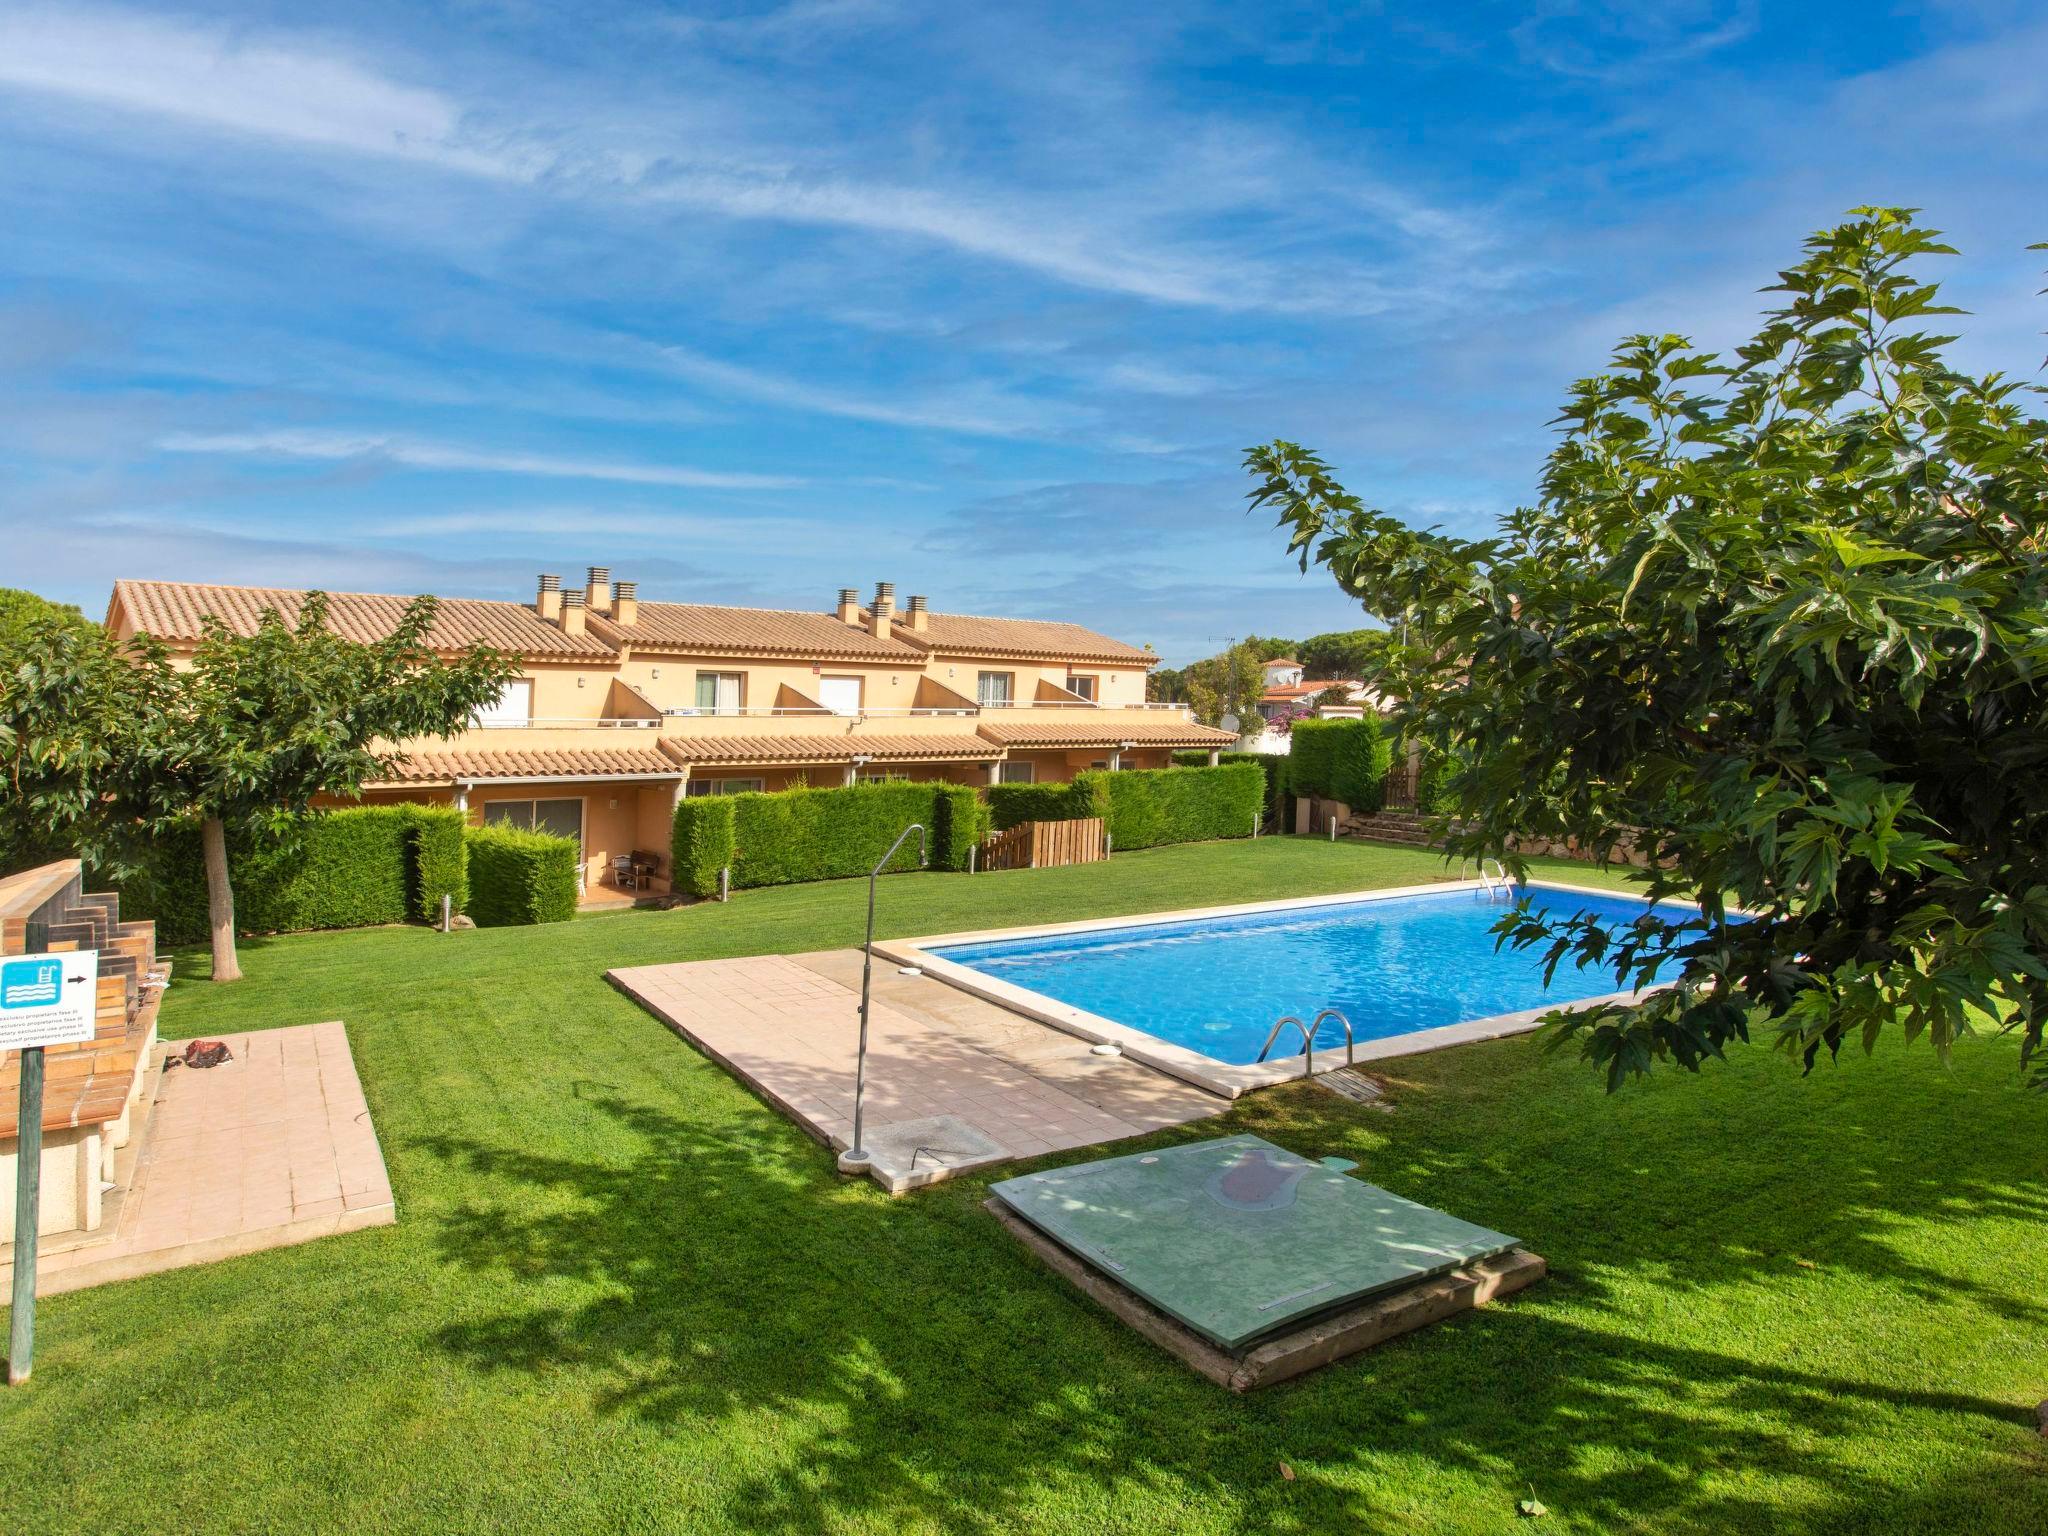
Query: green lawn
[[624, 1295]]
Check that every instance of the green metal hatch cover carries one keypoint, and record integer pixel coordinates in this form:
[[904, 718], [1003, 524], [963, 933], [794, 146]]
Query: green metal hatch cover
[[1238, 1238]]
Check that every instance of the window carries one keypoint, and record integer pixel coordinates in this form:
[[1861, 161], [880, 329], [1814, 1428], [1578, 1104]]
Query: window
[[1015, 773], [718, 693], [725, 786], [885, 778], [564, 818], [992, 689], [1082, 683], [841, 695], [512, 706]]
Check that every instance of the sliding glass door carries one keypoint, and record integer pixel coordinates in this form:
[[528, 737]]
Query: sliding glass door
[[564, 817]]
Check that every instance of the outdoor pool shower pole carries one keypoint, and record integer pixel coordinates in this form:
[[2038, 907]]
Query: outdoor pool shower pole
[[855, 1158]]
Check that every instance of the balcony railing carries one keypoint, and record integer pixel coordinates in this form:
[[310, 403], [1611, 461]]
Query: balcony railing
[[786, 712]]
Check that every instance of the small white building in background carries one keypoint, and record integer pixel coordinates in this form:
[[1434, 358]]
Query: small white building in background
[[1293, 698], [1283, 672]]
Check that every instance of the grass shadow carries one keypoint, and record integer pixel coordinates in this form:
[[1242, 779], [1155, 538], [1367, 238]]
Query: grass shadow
[[924, 1370]]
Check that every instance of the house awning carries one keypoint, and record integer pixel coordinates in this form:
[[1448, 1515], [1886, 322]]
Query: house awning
[[875, 746], [453, 767], [1075, 729]]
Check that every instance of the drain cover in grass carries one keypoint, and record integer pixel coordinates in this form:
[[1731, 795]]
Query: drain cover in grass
[[1238, 1238]]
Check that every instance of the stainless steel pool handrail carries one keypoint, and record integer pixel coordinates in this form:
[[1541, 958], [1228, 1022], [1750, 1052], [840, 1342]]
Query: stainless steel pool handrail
[[1308, 1038], [1499, 876], [1350, 1059], [1308, 1041]]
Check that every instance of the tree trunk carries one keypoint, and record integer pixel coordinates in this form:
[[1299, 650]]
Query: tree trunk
[[220, 900]]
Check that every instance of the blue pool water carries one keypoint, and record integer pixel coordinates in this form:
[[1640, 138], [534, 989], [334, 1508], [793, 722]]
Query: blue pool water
[[1215, 985]]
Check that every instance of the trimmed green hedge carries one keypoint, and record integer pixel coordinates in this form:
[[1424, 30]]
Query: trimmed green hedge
[[440, 859], [1146, 808], [795, 835], [1343, 760], [824, 834], [701, 843], [349, 868], [959, 823], [1011, 805], [1272, 764], [518, 877]]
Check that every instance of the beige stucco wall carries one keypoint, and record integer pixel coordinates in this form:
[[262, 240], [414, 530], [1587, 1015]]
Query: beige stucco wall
[[617, 818], [671, 681]]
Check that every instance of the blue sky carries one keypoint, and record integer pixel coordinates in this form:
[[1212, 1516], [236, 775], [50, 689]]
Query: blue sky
[[751, 302]]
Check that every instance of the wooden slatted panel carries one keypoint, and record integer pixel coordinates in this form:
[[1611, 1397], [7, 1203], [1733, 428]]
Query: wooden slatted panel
[[1046, 845], [1010, 849]]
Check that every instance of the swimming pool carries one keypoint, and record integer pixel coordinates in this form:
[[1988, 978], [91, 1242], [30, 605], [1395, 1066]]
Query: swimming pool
[[1418, 965]]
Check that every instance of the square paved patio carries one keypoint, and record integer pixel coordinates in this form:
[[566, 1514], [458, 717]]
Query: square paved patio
[[788, 1025], [272, 1147]]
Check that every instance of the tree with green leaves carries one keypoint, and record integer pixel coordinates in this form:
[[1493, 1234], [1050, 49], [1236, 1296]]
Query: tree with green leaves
[[259, 725], [1271, 647], [1780, 619], [1227, 686], [105, 744], [1166, 685], [73, 715], [1353, 654], [27, 616]]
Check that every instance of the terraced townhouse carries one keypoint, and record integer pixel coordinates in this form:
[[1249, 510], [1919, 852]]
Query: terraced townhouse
[[624, 706]]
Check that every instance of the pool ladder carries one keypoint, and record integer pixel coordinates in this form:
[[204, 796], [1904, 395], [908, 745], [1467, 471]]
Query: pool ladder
[[1496, 883], [1308, 1038]]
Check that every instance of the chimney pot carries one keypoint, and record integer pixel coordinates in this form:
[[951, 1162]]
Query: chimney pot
[[849, 605], [597, 593], [573, 622], [548, 601], [626, 602], [885, 609], [920, 618]]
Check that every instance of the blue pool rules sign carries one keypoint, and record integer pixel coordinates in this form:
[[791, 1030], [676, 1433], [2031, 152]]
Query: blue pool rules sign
[[48, 999]]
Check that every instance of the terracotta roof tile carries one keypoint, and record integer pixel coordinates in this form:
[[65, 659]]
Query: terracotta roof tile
[[1076, 729], [830, 748], [443, 767], [972, 634], [175, 610], [1305, 690], [703, 627]]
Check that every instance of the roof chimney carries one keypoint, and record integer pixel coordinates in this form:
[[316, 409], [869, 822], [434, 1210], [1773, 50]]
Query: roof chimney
[[626, 603], [598, 594], [920, 618], [885, 609], [572, 612], [548, 601], [849, 605]]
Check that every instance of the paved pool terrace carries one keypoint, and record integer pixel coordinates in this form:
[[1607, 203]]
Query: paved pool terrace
[[966, 1070]]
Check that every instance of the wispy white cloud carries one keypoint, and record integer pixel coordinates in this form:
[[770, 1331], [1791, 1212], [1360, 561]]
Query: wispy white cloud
[[417, 454], [226, 80], [292, 90], [594, 521], [974, 409], [1608, 41]]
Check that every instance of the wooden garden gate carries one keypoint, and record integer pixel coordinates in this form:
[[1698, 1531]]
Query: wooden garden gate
[[1045, 844]]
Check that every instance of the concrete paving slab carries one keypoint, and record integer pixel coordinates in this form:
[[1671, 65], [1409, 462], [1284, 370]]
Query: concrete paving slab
[[272, 1147], [788, 1025]]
